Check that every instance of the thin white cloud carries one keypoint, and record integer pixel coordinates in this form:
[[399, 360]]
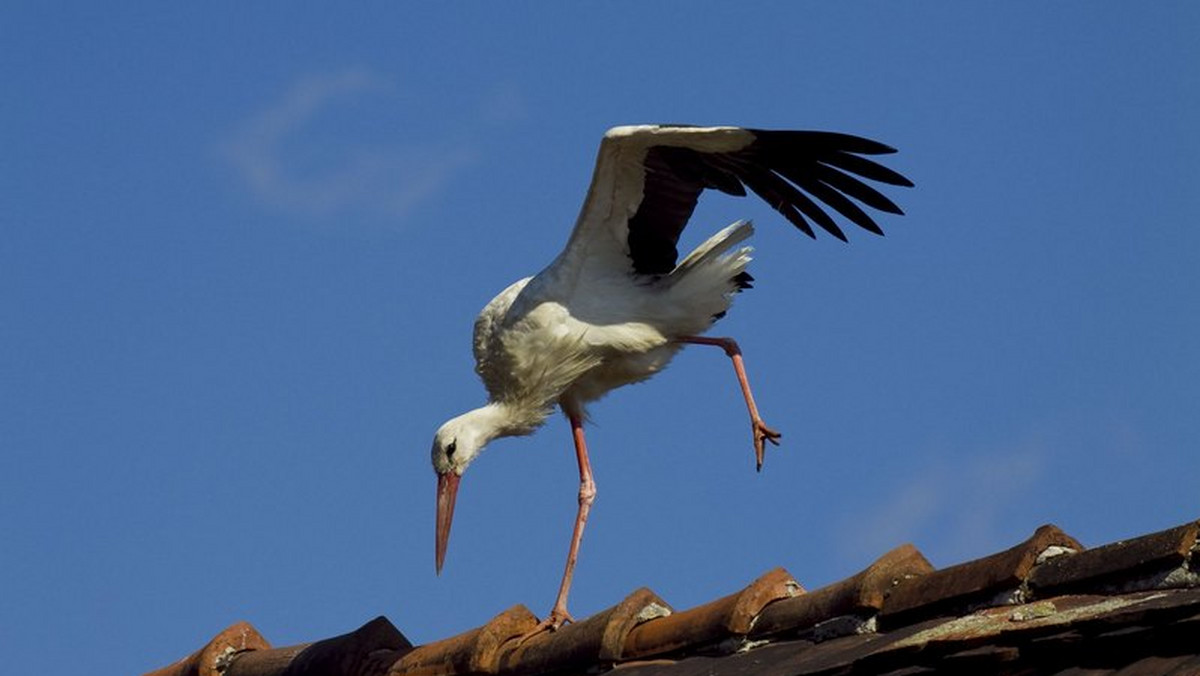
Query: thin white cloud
[[350, 175], [504, 103], [960, 503]]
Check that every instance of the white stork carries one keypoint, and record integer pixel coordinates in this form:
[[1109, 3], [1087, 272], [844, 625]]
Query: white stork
[[616, 305]]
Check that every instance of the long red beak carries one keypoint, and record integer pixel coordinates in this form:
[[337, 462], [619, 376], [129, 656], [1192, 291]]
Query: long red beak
[[447, 491]]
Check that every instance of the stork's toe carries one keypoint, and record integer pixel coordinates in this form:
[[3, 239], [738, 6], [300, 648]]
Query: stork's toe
[[557, 618], [763, 434]]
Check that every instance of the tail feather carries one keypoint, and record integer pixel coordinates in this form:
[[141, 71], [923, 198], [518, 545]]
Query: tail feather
[[715, 246], [706, 279]]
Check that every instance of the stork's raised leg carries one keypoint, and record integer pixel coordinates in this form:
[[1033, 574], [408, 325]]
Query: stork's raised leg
[[762, 433], [587, 494]]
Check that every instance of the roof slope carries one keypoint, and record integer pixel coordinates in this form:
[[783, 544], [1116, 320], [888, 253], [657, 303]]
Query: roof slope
[[1044, 606]]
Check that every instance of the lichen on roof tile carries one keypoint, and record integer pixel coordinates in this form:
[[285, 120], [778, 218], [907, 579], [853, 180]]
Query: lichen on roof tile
[[712, 623], [1158, 560], [994, 579], [599, 639], [860, 596], [213, 657]]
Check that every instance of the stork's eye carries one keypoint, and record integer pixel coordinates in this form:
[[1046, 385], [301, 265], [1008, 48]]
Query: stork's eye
[[450, 448]]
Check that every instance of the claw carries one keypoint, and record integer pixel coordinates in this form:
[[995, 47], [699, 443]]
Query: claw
[[557, 618], [762, 434]]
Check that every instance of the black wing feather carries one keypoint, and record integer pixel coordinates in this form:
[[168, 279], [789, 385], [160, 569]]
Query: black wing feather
[[866, 168], [790, 170], [840, 203], [856, 189], [804, 143], [787, 200], [672, 186]]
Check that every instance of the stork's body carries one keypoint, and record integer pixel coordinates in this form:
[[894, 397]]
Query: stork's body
[[617, 305]]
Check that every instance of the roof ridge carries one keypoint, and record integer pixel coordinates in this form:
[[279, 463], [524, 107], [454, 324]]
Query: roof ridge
[[1011, 606]]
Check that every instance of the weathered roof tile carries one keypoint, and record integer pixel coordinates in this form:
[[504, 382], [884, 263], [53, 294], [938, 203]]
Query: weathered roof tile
[[599, 639], [1015, 612], [367, 651], [209, 660], [861, 595], [713, 622], [1151, 561], [474, 652], [991, 580]]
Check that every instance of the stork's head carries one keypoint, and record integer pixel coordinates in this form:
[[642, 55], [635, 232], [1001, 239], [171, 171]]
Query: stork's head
[[460, 440], [455, 445]]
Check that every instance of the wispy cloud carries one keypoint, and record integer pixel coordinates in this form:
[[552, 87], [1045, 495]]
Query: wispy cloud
[[377, 176], [504, 103], [959, 504]]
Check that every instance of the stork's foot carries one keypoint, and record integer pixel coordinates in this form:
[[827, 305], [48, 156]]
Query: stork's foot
[[557, 618], [762, 434]]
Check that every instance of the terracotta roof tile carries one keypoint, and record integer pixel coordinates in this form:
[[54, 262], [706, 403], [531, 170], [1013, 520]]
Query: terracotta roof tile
[[998, 578], [801, 657], [370, 649], [599, 639], [1045, 606], [1144, 562], [859, 597], [704, 626], [208, 660], [987, 642], [474, 652]]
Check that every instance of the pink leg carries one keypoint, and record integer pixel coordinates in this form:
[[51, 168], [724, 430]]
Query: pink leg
[[762, 433], [587, 494]]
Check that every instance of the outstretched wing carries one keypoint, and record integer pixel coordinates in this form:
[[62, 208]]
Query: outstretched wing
[[648, 179]]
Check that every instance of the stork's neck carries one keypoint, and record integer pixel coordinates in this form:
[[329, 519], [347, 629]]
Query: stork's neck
[[503, 419]]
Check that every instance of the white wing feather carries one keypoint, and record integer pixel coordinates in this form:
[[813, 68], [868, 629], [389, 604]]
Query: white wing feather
[[598, 246]]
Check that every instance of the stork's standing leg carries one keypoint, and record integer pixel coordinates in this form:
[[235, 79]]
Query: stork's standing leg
[[762, 433], [587, 494]]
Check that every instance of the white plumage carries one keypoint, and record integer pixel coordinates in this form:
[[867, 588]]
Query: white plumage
[[616, 305]]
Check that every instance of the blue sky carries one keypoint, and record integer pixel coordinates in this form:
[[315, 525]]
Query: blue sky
[[243, 246]]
